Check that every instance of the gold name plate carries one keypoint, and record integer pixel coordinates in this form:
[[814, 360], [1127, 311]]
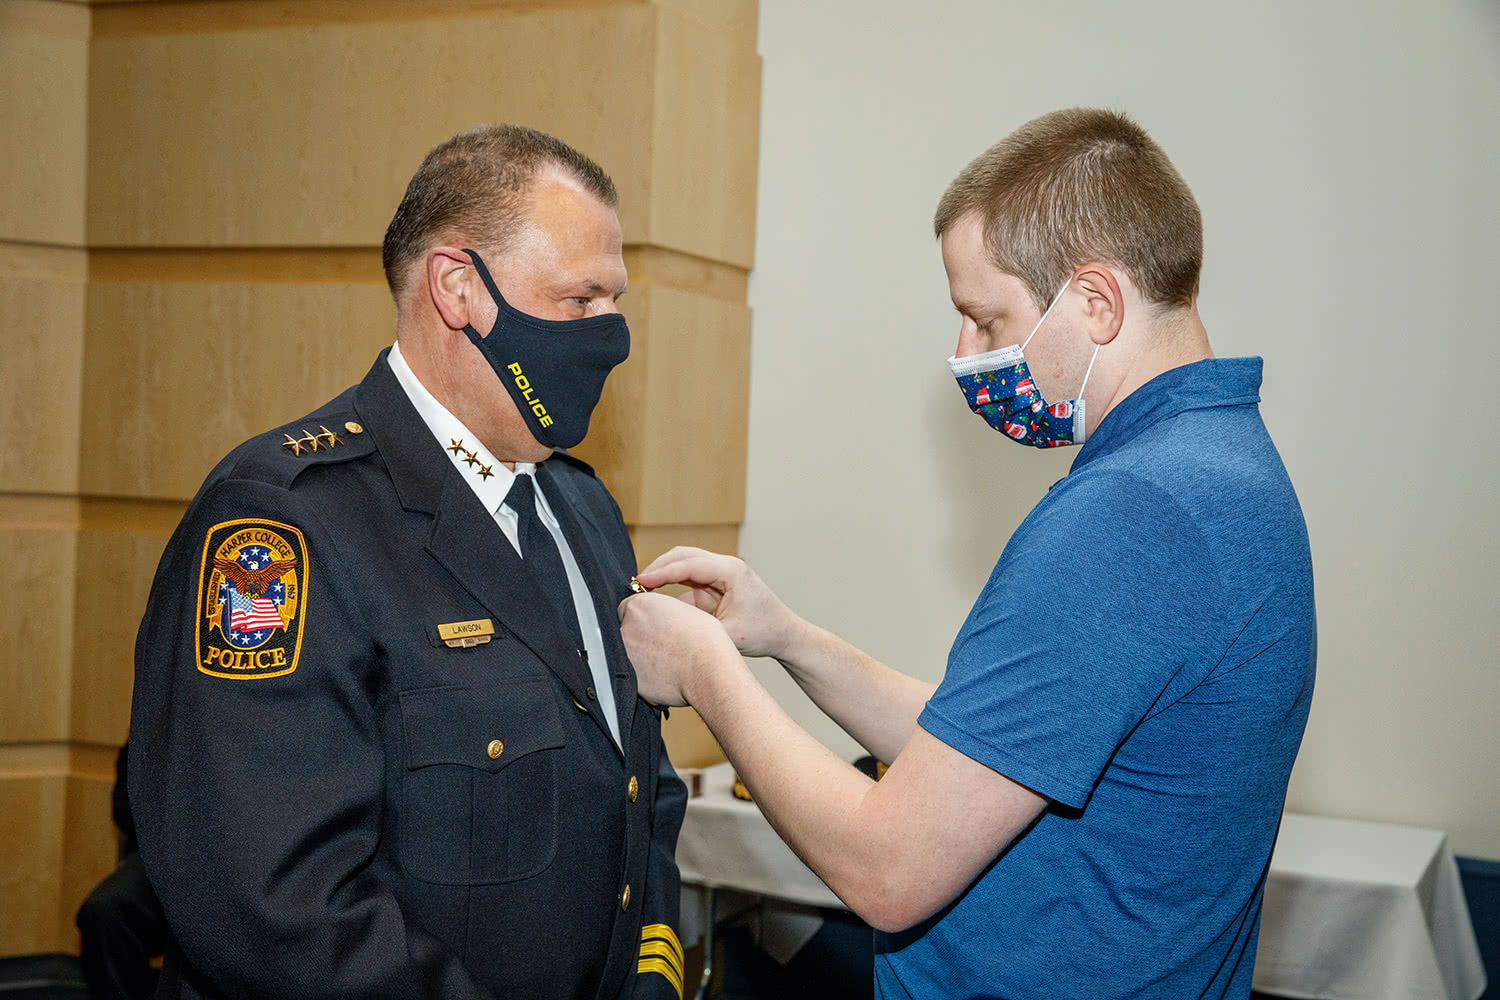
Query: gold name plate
[[461, 635]]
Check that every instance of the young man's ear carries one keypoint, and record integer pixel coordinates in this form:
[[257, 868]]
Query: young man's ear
[[1104, 305]]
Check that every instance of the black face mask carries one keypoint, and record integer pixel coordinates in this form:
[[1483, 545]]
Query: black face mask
[[553, 369]]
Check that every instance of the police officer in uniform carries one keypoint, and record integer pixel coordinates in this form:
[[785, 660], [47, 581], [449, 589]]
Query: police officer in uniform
[[386, 741]]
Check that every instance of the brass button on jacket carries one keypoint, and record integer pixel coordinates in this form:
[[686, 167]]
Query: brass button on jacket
[[495, 749], [625, 897], [633, 788]]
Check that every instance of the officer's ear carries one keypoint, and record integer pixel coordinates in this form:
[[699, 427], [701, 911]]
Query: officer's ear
[[450, 284]]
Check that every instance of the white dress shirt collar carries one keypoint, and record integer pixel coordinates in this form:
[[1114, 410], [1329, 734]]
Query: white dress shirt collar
[[488, 478]]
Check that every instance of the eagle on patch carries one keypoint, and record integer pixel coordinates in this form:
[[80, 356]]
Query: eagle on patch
[[253, 592], [253, 582]]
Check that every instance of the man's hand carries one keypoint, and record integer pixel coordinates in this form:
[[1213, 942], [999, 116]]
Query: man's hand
[[671, 643], [753, 616]]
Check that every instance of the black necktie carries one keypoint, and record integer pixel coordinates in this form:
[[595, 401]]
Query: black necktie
[[539, 553]]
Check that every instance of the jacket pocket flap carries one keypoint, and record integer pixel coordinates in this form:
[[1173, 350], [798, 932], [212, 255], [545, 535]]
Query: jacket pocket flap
[[483, 728]]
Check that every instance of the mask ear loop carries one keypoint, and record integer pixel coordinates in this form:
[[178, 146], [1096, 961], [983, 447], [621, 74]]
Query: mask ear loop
[[1078, 435], [1089, 371], [484, 275], [1055, 300]]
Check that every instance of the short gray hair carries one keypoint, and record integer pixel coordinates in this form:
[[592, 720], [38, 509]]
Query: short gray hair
[[474, 188]]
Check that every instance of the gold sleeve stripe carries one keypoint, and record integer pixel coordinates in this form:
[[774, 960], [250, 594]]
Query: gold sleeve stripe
[[664, 950], [665, 933], [663, 968]]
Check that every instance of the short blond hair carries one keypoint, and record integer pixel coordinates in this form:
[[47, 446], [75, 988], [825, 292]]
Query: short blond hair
[[1077, 186]]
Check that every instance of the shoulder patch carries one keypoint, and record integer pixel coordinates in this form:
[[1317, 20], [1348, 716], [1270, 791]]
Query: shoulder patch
[[252, 599]]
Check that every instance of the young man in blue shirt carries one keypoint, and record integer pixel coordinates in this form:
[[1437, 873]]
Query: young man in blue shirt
[[1087, 804]]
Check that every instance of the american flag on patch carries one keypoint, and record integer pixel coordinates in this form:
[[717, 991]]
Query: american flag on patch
[[246, 614], [250, 598]]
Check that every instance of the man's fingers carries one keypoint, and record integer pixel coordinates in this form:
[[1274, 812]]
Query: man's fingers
[[674, 554], [702, 569], [700, 598]]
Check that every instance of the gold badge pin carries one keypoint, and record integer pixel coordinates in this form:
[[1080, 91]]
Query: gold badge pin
[[636, 588], [462, 635]]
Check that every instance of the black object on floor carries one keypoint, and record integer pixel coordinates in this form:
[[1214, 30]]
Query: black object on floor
[[42, 977], [1481, 880], [837, 964]]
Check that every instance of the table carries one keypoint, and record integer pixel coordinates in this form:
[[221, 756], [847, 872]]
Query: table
[[1353, 910], [1357, 909]]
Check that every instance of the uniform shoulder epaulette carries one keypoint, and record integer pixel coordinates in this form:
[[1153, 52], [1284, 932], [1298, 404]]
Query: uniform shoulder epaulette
[[317, 442], [330, 435]]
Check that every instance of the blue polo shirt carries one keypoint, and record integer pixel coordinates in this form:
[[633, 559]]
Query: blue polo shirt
[[1142, 656]]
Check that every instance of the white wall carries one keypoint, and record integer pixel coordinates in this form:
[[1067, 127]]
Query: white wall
[[1346, 156]]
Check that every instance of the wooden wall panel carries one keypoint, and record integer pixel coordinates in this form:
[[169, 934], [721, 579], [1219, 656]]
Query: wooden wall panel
[[668, 105], [737, 20], [138, 17], [41, 314], [36, 619], [43, 119], [32, 812], [706, 133], [669, 436], [653, 540], [662, 389], [693, 443], [307, 136], [178, 374]]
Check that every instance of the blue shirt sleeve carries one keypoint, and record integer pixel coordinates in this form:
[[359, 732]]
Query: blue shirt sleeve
[[1103, 609]]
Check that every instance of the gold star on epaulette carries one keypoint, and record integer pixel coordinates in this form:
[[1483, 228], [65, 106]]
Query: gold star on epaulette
[[310, 440], [332, 438], [293, 444], [457, 445], [484, 471], [472, 458]]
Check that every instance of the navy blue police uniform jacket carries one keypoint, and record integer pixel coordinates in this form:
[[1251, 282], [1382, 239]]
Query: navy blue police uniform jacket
[[334, 801]]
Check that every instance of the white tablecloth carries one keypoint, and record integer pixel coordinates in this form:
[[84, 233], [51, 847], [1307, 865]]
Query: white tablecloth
[[1353, 911], [727, 844]]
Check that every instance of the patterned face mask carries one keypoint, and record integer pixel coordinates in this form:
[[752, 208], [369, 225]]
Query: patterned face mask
[[999, 387]]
